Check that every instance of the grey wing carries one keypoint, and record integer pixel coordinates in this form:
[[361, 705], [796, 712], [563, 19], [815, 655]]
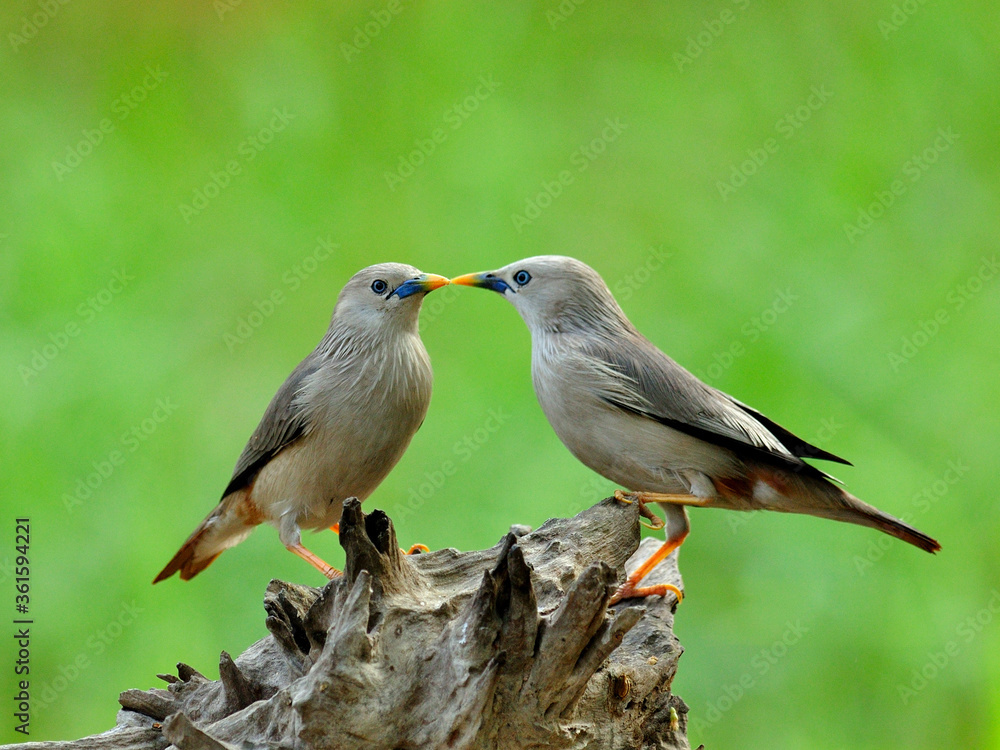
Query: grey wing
[[282, 424], [652, 385]]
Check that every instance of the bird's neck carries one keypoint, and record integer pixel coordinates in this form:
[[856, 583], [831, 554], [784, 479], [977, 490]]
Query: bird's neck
[[378, 364], [572, 320], [346, 339]]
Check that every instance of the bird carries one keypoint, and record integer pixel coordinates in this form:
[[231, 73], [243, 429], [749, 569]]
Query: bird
[[335, 428], [632, 414]]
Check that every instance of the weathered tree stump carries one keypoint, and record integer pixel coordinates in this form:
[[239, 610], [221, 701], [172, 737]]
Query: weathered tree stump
[[510, 647]]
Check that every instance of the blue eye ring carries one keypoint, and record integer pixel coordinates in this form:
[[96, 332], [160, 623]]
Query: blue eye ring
[[522, 277], [379, 286]]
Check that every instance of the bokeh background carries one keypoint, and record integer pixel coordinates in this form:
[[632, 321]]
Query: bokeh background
[[799, 203]]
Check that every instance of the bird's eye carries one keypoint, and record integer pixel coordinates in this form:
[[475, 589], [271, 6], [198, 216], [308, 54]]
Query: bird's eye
[[379, 286], [522, 277]]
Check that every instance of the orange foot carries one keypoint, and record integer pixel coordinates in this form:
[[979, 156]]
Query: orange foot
[[628, 591], [631, 588]]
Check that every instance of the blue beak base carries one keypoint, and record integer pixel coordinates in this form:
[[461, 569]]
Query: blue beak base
[[423, 284]]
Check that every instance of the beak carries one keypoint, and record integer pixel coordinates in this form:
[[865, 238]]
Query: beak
[[424, 283], [484, 280]]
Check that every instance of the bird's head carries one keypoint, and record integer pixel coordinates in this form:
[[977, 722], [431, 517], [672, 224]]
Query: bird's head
[[553, 293], [385, 297]]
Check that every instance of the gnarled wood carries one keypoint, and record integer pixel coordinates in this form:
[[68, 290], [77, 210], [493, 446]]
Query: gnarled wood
[[510, 647]]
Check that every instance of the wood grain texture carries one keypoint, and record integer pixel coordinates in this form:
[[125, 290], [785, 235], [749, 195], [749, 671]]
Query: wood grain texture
[[509, 647]]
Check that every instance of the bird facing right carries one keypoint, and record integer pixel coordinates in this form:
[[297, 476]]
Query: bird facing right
[[336, 426], [633, 415]]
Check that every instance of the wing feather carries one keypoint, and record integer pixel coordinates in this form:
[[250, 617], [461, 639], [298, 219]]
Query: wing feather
[[649, 383], [282, 424]]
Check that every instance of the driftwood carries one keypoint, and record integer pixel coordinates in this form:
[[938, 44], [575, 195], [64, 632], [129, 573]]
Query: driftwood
[[510, 647]]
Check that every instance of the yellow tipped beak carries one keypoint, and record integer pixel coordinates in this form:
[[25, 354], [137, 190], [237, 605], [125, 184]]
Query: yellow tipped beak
[[431, 281], [469, 279]]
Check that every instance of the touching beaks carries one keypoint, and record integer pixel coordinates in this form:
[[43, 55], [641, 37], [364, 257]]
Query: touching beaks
[[425, 282], [484, 280]]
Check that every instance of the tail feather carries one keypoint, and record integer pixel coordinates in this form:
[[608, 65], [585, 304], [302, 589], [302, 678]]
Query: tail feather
[[819, 497], [187, 560], [223, 528], [864, 514]]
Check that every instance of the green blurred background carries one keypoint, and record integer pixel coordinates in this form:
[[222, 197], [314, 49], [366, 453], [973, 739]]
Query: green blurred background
[[134, 295]]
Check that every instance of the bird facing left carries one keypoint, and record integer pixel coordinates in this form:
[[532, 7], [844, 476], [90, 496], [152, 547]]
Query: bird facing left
[[335, 428]]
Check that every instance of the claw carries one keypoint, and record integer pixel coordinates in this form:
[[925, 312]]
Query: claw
[[416, 549], [623, 497], [630, 497], [657, 522]]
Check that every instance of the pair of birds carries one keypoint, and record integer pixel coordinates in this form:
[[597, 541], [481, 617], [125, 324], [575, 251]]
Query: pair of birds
[[346, 414]]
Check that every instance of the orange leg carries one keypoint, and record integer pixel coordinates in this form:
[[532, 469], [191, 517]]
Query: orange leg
[[660, 497], [328, 570], [631, 590], [677, 531]]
